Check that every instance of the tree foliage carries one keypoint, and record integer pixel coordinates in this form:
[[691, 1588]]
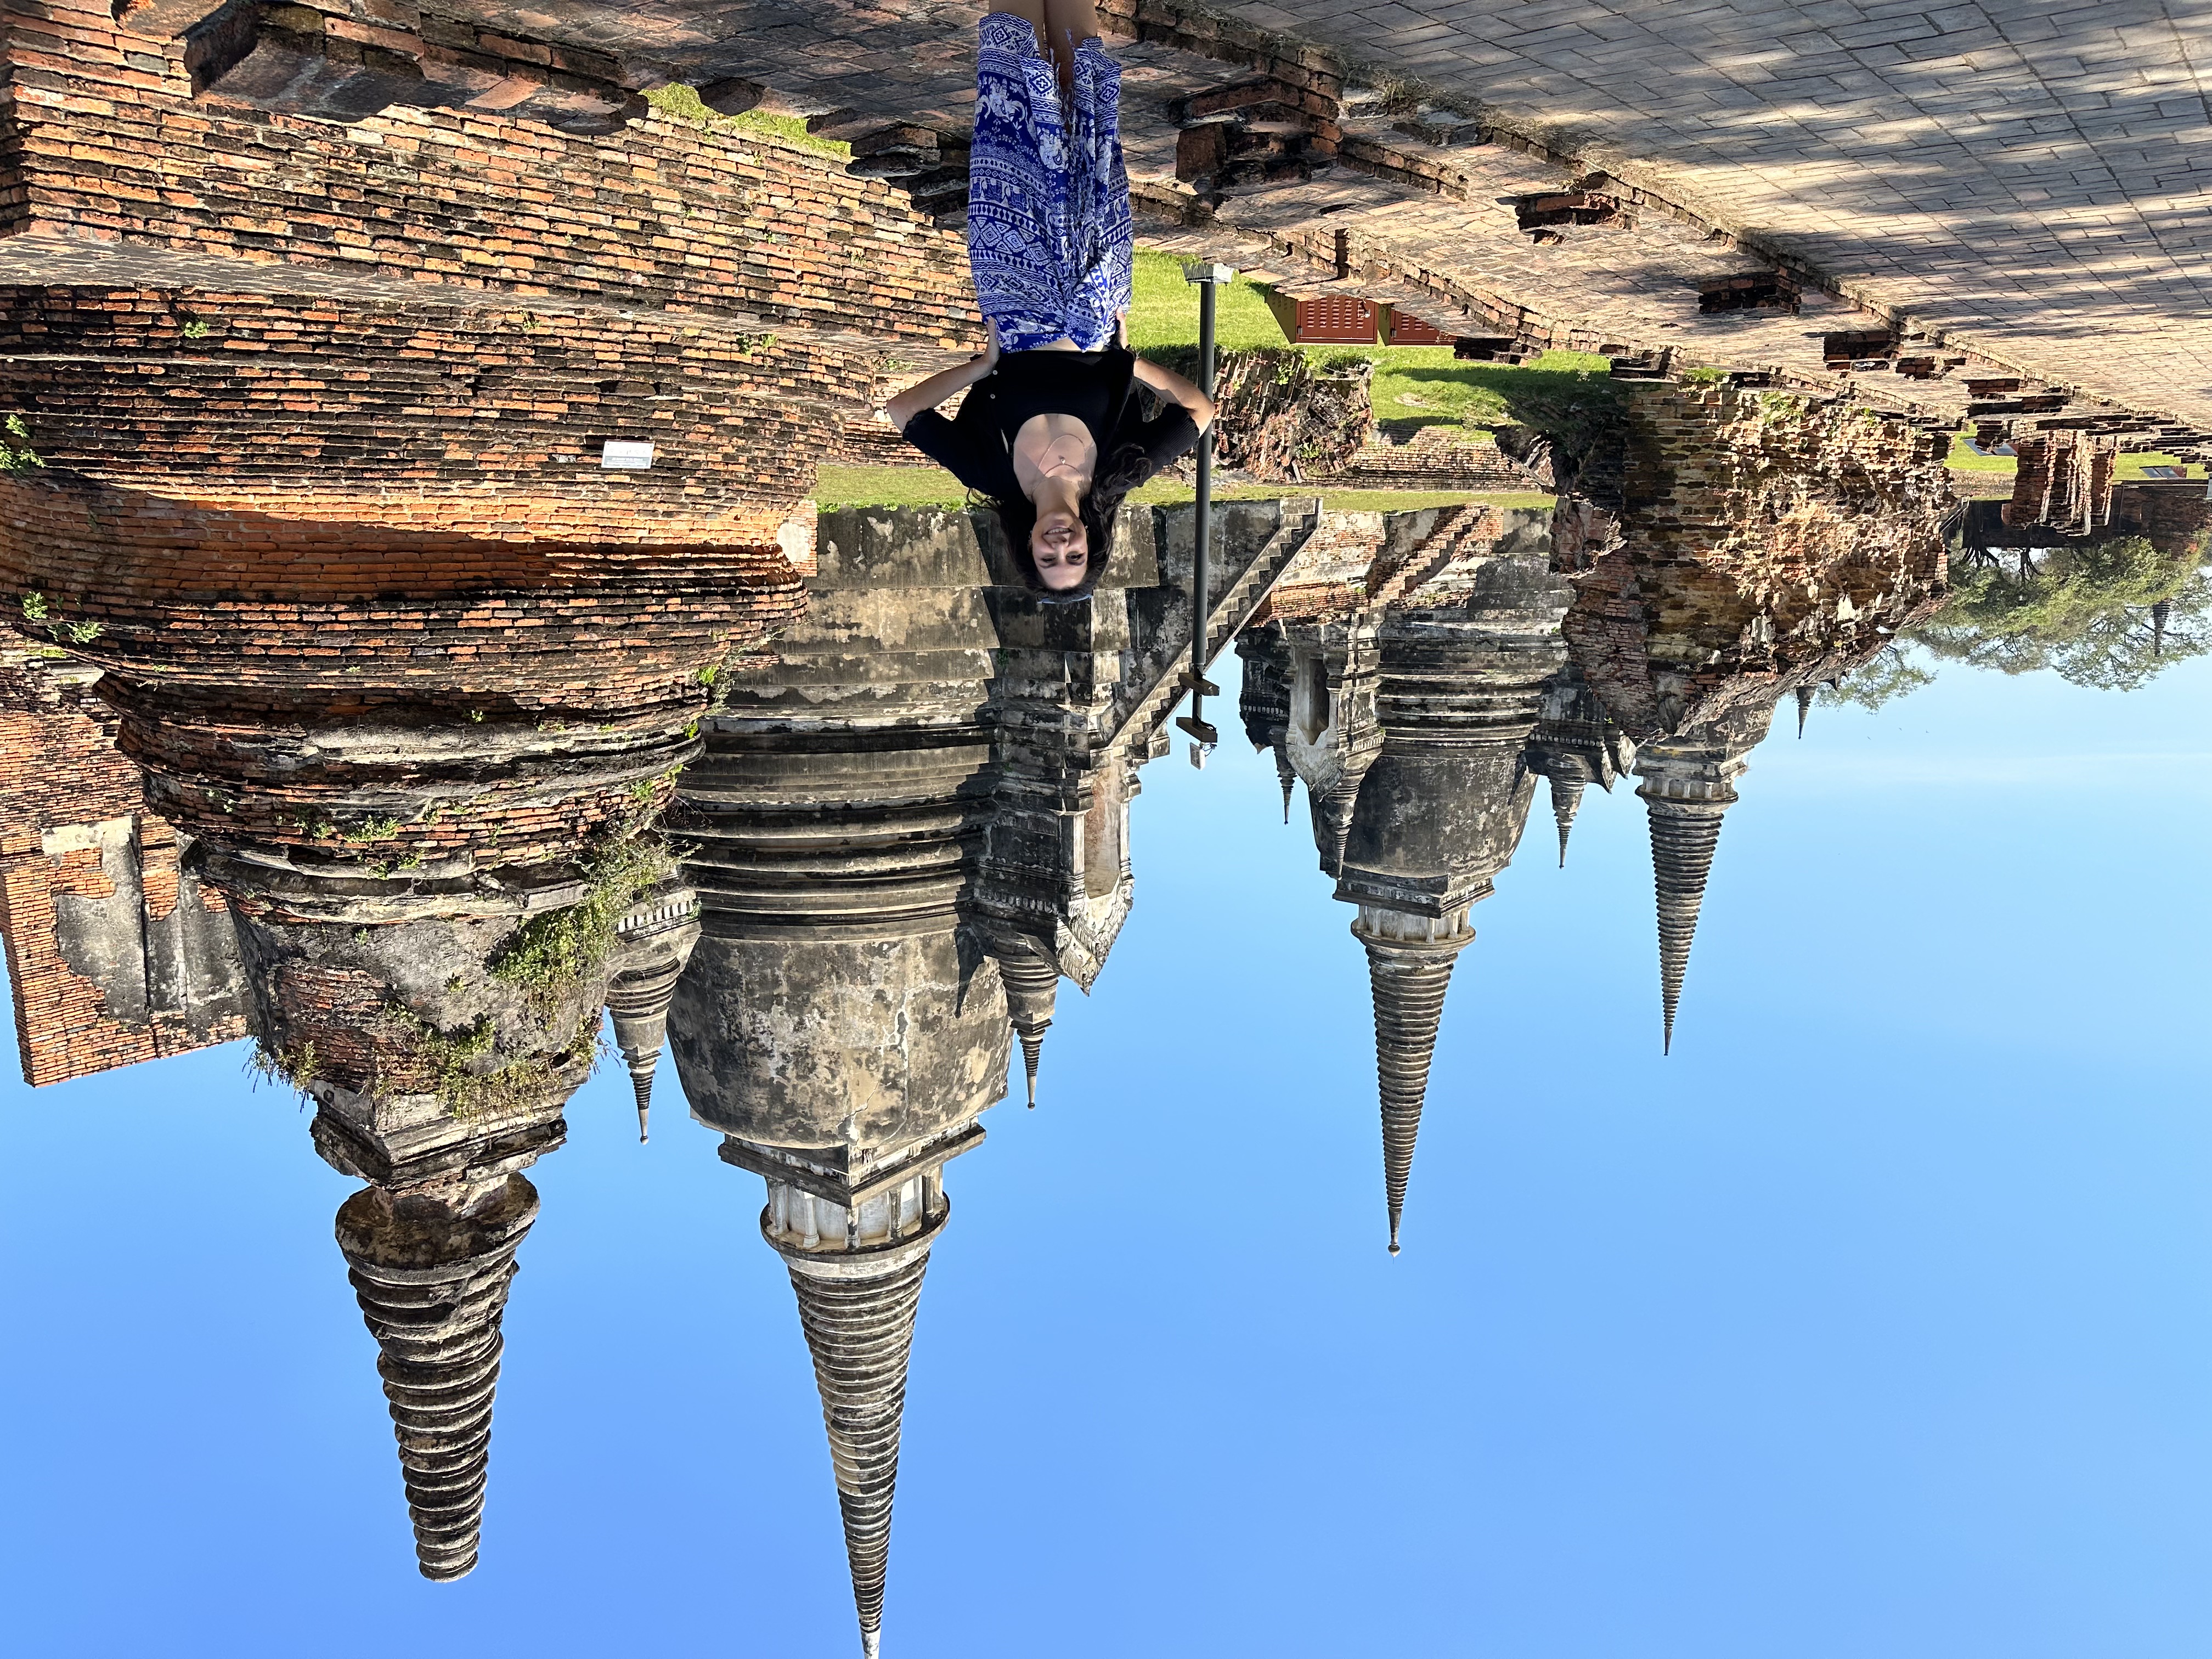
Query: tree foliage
[[1890, 672], [2108, 614]]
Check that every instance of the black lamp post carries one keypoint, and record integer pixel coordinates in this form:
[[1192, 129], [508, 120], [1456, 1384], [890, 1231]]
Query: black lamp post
[[1207, 275]]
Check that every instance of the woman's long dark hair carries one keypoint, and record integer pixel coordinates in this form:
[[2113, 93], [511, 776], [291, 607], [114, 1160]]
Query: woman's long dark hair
[[1117, 474]]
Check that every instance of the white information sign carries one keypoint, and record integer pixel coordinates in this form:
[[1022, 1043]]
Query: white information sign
[[626, 455]]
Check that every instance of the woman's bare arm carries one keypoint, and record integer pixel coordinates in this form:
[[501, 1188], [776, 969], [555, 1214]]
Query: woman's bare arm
[[1176, 390], [928, 394]]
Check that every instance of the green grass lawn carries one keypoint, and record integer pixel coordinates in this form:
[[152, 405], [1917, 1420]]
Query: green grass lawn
[[928, 486], [1414, 385], [1164, 309], [887, 486], [2131, 466], [682, 102], [1963, 459]]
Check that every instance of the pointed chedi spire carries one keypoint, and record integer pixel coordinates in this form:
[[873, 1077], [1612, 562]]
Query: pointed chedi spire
[[1032, 983], [1804, 707], [1441, 804], [1032, 1055], [1335, 809], [1409, 976], [1566, 801], [1285, 775], [1687, 784], [432, 1283], [858, 1286], [1683, 836], [638, 1001], [1409, 1006]]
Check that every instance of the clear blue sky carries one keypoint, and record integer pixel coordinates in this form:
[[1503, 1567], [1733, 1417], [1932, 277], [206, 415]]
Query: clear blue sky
[[1876, 1320]]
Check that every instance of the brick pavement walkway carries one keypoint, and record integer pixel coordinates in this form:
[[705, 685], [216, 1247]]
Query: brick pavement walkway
[[2035, 178]]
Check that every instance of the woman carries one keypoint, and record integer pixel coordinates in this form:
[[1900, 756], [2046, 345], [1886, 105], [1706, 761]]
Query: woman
[[1051, 429]]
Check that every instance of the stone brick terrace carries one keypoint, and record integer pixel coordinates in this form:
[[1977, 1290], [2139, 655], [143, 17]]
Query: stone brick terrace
[[2025, 182], [2034, 176]]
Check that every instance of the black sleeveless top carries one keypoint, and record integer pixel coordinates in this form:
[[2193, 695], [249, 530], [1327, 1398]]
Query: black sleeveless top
[[1097, 387]]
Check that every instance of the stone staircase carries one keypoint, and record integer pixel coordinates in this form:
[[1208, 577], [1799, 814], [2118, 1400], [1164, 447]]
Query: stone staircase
[[1227, 613], [896, 633], [1456, 533]]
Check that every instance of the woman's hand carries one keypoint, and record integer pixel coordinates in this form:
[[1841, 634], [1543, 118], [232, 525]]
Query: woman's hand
[[1121, 329], [991, 352]]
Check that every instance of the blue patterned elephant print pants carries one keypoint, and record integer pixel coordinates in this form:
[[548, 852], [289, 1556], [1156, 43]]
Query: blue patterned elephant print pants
[[1049, 235]]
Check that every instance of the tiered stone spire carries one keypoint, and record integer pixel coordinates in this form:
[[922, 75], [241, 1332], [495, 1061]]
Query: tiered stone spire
[[1804, 707], [1683, 836], [437, 1078], [1566, 801], [433, 1280], [850, 1113], [858, 1276], [1575, 744], [1409, 970], [835, 822], [653, 941], [1464, 661], [1746, 558], [864, 844], [1032, 983], [437, 1081], [385, 670], [1688, 783]]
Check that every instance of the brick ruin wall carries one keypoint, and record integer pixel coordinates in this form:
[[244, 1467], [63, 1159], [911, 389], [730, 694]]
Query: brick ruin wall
[[2064, 479], [266, 514], [424, 416], [1435, 458], [1759, 537], [2175, 516], [300, 512], [239, 599], [59, 770], [102, 139], [234, 638], [1328, 578]]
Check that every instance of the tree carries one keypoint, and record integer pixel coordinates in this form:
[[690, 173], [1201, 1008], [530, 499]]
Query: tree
[[1888, 673], [2108, 614]]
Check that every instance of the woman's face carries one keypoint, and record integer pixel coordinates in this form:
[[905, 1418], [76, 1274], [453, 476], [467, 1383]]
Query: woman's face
[[1060, 550]]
